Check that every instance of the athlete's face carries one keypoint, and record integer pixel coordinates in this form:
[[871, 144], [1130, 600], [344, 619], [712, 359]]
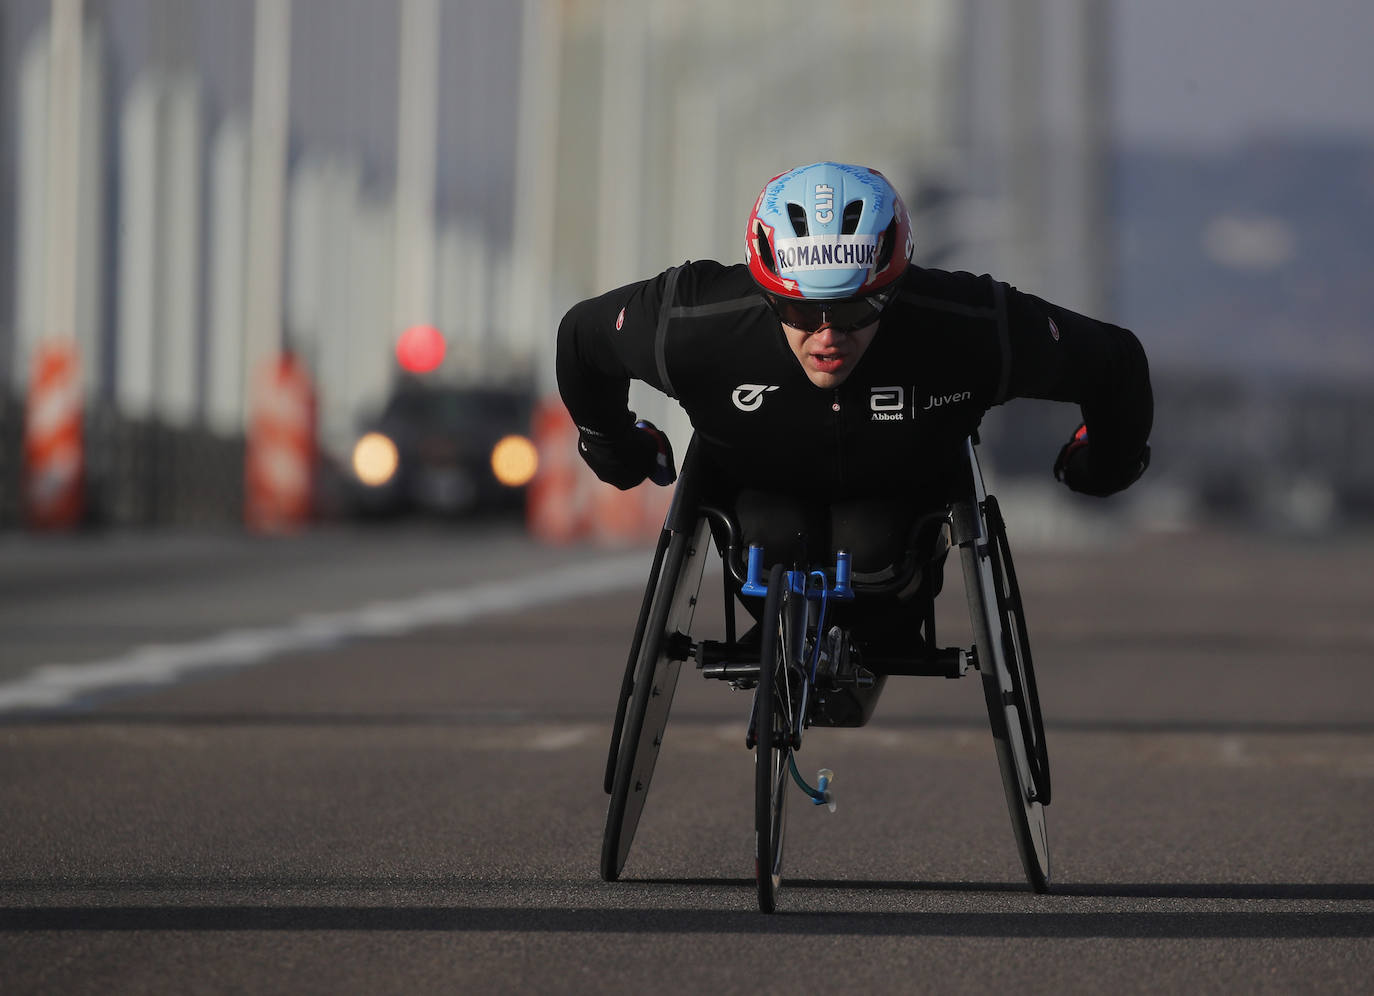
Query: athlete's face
[[827, 356]]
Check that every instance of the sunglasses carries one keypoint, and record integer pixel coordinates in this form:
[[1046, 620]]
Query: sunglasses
[[840, 316]]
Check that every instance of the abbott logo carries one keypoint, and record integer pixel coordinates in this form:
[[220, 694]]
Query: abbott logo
[[886, 399], [748, 397], [886, 404]]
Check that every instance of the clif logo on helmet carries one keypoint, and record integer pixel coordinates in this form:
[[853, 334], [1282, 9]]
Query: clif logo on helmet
[[828, 231]]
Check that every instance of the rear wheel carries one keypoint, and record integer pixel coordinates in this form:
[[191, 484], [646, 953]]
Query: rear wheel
[[1013, 707], [1016, 644], [773, 721], [1027, 814], [627, 683], [1008, 680], [655, 680]]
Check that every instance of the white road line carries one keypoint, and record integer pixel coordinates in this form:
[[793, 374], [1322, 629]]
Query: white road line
[[56, 685]]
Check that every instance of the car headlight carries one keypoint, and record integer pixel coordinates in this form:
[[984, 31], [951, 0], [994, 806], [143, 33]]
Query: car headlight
[[514, 460], [375, 459]]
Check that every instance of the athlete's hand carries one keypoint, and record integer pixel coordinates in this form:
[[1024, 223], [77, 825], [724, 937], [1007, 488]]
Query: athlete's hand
[[665, 471], [1074, 468], [629, 458], [1073, 454]]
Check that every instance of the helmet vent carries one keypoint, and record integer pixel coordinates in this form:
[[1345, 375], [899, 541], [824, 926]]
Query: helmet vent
[[765, 250], [853, 211], [886, 245], [797, 214]]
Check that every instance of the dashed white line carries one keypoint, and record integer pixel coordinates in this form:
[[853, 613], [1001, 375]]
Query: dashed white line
[[54, 686]]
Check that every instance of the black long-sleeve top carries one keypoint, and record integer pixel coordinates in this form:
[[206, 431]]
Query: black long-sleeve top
[[948, 348]]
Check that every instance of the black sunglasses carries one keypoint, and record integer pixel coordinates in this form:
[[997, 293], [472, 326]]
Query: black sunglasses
[[841, 316]]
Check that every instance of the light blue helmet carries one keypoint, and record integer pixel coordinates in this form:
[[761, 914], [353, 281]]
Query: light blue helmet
[[828, 231]]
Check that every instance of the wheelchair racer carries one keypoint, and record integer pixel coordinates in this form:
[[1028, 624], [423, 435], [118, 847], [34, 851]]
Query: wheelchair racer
[[831, 383]]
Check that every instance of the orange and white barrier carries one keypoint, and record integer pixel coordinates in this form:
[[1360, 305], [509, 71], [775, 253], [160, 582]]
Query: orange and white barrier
[[279, 471], [625, 518], [557, 502], [54, 456], [566, 502]]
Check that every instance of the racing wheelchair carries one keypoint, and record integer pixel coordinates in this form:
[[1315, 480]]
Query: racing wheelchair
[[802, 664]]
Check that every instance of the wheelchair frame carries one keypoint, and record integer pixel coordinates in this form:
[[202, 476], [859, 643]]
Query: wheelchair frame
[[784, 691]]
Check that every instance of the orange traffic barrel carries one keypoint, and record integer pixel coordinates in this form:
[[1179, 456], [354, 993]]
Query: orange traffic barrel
[[556, 502], [54, 455], [279, 466], [566, 502]]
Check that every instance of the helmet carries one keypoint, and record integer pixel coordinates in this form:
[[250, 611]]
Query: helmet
[[827, 231]]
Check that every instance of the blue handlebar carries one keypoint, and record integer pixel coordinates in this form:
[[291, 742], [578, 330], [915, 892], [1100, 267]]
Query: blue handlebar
[[799, 581], [842, 587], [753, 572]]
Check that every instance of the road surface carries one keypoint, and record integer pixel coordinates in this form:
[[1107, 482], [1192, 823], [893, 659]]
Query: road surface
[[370, 761]]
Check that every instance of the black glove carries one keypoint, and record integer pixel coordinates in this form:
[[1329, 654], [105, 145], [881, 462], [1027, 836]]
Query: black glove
[[628, 458], [1073, 467], [665, 471]]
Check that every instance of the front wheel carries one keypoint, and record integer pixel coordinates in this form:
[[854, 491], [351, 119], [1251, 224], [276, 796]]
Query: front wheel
[[773, 746]]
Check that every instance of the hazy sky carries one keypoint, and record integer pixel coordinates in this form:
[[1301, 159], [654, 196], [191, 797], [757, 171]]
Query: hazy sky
[[1198, 71], [1217, 71]]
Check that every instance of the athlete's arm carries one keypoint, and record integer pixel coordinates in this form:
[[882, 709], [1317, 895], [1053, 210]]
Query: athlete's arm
[[1060, 355], [603, 343]]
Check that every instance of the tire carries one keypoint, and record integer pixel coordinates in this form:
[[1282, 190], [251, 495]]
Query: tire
[[774, 738], [655, 680]]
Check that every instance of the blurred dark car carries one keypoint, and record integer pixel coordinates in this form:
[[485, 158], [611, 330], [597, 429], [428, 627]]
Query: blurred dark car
[[443, 449]]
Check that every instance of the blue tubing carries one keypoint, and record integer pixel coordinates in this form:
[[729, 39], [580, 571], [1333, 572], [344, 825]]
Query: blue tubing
[[818, 797]]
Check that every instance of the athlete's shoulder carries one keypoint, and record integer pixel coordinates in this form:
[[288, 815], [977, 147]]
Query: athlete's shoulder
[[707, 281], [951, 288]]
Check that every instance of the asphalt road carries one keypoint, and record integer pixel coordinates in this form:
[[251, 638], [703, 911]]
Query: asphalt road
[[371, 762]]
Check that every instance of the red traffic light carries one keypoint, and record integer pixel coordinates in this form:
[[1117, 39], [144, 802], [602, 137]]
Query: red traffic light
[[420, 349]]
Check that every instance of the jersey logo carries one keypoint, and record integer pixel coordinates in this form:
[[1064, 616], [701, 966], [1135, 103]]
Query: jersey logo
[[620, 320], [748, 397], [886, 404], [940, 400]]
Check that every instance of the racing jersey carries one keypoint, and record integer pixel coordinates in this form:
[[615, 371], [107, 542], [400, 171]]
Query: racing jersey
[[949, 346]]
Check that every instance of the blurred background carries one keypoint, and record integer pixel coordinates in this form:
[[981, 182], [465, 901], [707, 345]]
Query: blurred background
[[279, 261]]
